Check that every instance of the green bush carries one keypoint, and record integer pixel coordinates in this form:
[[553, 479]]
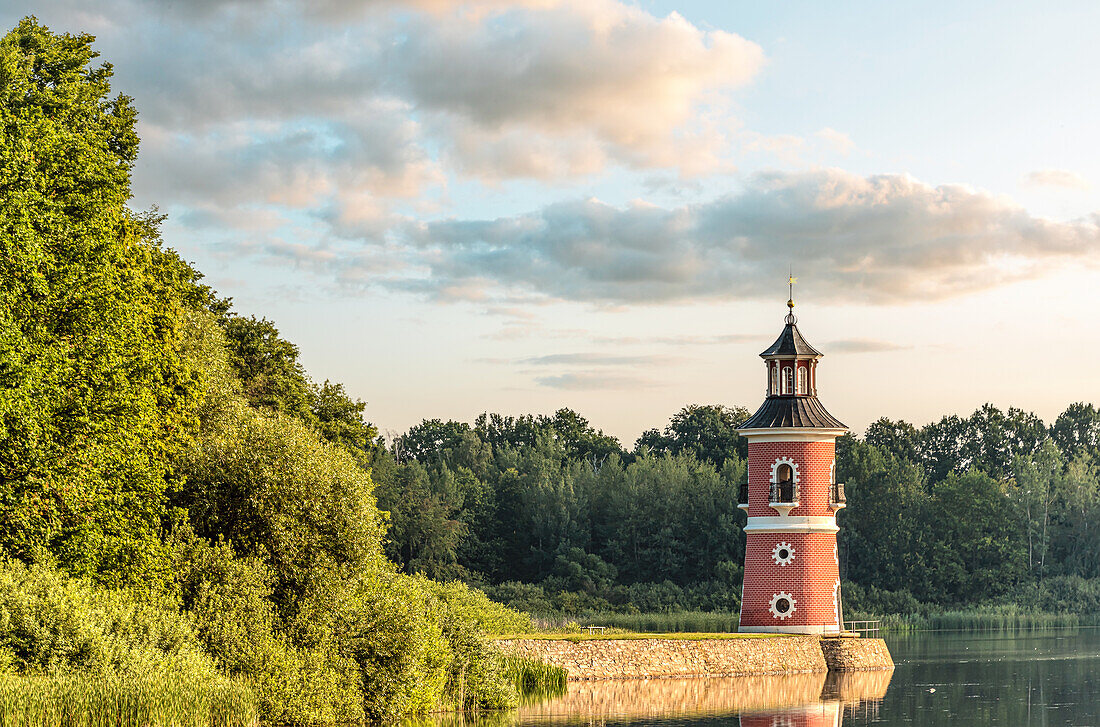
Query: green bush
[[51, 623], [229, 600]]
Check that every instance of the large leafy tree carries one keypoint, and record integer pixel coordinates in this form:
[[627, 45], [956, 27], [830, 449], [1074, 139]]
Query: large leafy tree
[[95, 394], [709, 431]]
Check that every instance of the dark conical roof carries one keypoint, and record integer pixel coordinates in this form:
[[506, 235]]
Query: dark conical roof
[[791, 343], [792, 411]]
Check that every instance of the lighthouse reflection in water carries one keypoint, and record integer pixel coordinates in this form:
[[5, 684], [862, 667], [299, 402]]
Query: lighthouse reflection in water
[[793, 700]]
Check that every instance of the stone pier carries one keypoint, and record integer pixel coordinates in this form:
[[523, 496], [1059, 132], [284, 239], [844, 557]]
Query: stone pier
[[633, 658]]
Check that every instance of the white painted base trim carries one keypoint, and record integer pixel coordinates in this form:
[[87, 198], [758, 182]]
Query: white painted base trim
[[822, 629], [788, 524]]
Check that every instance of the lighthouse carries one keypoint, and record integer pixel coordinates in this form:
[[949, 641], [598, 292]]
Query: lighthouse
[[792, 572]]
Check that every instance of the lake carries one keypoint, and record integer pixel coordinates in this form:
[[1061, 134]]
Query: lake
[[1032, 678]]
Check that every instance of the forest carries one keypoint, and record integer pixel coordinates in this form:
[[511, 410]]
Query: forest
[[548, 514]]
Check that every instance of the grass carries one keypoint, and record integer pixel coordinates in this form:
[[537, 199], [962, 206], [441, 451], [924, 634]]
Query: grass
[[986, 619], [534, 679], [711, 622], [157, 701], [629, 636], [703, 624]]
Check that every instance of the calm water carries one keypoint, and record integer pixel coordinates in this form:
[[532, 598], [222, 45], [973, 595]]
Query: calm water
[[1040, 678]]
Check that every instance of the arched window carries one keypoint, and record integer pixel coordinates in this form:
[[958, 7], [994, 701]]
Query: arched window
[[801, 379], [788, 380], [775, 379], [784, 473]]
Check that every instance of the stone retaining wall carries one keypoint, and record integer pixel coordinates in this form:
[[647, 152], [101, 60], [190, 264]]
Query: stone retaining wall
[[646, 658], [631, 658], [856, 654]]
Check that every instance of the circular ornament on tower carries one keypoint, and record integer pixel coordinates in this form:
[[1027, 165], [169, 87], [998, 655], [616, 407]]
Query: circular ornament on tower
[[782, 605], [783, 553]]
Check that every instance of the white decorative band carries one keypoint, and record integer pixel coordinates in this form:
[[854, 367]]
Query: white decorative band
[[819, 629], [795, 524], [791, 434]]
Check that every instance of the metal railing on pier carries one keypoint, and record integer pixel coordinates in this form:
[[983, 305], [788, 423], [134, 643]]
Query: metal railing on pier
[[866, 629]]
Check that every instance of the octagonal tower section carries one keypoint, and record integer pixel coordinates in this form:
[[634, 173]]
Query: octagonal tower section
[[792, 571]]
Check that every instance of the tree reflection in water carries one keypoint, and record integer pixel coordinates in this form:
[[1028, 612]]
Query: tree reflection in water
[[790, 700]]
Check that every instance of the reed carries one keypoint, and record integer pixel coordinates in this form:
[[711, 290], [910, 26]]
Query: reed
[[995, 619], [532, 678], [118, 701], [711, 622]]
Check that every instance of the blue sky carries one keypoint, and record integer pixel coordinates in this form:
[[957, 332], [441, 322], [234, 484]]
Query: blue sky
[[455, 207]]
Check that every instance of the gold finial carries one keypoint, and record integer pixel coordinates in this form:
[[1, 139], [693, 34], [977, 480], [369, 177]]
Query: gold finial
[[791, 280]]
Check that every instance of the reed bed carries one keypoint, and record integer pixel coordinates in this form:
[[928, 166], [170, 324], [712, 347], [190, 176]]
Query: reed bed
[[710, 622], [532, 678], [159, 701]]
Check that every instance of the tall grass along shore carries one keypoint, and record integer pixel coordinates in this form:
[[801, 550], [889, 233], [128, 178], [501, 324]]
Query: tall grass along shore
[[155, 701]]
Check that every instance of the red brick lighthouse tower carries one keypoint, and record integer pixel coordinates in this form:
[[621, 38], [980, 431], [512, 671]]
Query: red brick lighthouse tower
[[792, 575]]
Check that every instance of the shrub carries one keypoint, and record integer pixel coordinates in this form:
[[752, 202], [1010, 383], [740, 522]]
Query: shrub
[[51, 623]]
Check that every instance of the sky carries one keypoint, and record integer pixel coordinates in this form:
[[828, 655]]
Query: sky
[[458, 207]]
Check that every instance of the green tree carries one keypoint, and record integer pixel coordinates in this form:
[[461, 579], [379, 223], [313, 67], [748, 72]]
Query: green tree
[[899, 438], [707, 431], [1076, 431], [339, 418], [973, 543], [95, 395], [883, 522], [267, 366]]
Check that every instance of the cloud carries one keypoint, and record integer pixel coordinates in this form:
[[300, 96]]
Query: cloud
[[563, 87], [684, 340], [593, 382], [862, 345], [879, 239], [838, 141], [594, 359], [1057, 178], [352, 111]]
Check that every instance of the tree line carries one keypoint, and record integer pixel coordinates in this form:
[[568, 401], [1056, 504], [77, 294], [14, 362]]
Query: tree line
[[551, 515]]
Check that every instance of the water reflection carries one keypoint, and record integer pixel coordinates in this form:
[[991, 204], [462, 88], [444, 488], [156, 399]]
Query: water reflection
[[790, 700], [942, 679]]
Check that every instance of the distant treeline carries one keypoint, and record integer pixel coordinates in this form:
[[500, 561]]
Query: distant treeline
[[551, 515]]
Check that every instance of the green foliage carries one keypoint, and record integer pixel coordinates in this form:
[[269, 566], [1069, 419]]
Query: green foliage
[[51, 623], [473, 606], [95, 394], [267, 366], [162, 700], [338, 418], [279, 493], [707, 431], [534, 678], [150, 437]]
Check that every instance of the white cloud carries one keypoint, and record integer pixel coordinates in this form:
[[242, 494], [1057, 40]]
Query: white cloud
[[885, 238], [1057, 178], [594, 382], [580, 82], [862, 345], [838, 141]]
